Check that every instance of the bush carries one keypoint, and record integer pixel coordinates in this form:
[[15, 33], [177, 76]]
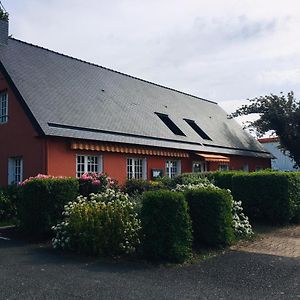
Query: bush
[[273, 197], [107, 224], [224, 179], [8, 200], [95, 183], [240, 222], [210, 210], [193, 178], [139, 186], [166, 226], [136, 186], [42, 201]]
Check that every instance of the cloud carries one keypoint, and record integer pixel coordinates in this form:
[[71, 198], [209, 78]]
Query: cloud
[[220, 50]]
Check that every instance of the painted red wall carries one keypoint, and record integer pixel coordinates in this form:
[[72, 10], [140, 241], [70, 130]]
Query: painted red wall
[[62, 161], [19, 138]]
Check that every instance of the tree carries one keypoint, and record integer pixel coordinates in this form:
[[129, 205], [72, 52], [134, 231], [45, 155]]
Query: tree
[[280, 114]]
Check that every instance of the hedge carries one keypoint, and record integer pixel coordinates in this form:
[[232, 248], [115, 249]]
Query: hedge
[[211, 215], [166, 226], [273, 197], [41, 204]]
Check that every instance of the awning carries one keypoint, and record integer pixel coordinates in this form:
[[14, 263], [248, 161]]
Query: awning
[[214, 157], [118, 148]]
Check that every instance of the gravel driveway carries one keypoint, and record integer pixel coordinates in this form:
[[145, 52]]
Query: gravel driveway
[[33, 271]]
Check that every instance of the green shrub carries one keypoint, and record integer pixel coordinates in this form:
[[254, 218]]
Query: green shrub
[[139, 186], [136, 186], [41, 203], [193, 178], [8, 200], [210, 210], [166, 226], [107, 224], [224, 179], [273, 197]]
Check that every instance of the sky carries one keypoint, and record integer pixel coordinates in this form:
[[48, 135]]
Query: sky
[[225, 51]]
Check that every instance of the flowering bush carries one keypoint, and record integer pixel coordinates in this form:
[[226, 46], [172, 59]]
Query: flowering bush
[[240, 222], [105, 224], [95, 183], [39, 176], [41, 201]]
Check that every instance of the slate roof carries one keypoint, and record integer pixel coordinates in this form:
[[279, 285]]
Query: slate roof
[[68, 97]]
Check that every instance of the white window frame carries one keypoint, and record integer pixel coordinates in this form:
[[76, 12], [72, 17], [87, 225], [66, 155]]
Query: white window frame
[[15, 170], [170, 170], [203, 167], [132, 164], [3, 107], [87, 166], [223, 167], [246, 168]]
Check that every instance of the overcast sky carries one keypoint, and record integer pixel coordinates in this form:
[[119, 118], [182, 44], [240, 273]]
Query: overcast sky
[[226, 51]]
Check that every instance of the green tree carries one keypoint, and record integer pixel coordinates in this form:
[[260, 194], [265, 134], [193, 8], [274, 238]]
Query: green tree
[[280, 114]]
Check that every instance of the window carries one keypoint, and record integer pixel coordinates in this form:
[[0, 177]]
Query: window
[[3, 107], [170, 124], [199, 166], [200, 132], [88, 164], [136, 168], [15, 170], [223, 167], [173, 168], [246, 168]]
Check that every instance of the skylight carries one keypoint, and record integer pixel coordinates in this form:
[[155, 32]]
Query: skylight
[[200, 132], [170, 124]]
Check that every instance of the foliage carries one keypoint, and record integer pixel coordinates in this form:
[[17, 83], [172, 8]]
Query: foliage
[[224, 179], [240, 222], [193, 178], [3, 15], [8, 200], [273, 197], [139, 186], [166, 226], [280, 114], [42, 201], [95, 183], [107, 224], [6, 207], [210, 210]]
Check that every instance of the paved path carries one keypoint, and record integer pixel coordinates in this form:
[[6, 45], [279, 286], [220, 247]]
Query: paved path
[[282, 242], [33, 271]]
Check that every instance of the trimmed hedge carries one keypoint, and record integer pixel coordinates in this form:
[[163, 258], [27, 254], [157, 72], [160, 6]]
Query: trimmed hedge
[[211, 215], [269, 196], [166, 226], [41, 204]]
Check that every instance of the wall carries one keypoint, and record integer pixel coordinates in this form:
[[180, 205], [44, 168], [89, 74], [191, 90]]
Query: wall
[[19, 138], [282, 161], [62, 161]]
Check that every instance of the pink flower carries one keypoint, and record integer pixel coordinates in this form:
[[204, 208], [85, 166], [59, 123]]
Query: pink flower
[[96, 182]]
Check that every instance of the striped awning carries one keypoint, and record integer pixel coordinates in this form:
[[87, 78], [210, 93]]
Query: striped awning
[[106, 147], [214, 157]]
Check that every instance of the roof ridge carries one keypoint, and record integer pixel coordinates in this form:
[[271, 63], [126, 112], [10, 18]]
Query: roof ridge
[[111, 70]]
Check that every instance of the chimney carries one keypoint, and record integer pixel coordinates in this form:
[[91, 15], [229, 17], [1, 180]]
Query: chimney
[[3, 26]]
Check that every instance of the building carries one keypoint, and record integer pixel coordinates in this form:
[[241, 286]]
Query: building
[[281, 160], [63, 116]]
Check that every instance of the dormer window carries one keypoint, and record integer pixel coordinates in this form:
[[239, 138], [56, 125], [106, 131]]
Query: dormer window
[[170, 124], [3, 107], [200, 132]]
